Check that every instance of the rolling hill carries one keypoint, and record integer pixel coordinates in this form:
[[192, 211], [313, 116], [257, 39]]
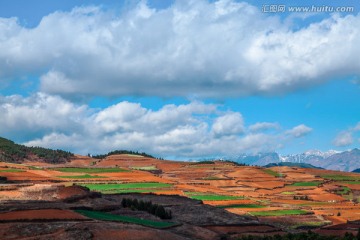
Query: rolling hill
[[16, 153]]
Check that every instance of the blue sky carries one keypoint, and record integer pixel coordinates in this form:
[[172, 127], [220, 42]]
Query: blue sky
[[179, 79]]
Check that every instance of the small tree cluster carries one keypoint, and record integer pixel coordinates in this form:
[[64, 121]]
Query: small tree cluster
[[3, 179], [147, 206], [301, 197]]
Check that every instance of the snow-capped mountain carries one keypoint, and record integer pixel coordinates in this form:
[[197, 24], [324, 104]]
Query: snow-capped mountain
[[310, 156], [332, 159]]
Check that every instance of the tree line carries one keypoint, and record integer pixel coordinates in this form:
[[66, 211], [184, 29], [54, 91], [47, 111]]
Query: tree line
[[101, 156], [146, 206]]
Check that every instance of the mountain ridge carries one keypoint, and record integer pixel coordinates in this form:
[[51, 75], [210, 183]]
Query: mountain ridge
[[333, 160]]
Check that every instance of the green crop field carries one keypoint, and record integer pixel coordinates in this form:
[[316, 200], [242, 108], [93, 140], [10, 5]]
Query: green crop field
[[344, 191], [242, 206], [144, 190], [85, 176], [119, 218], [340, 177], [279, 212], [272, 173], [212, 197], [351, 182], [314, 204], [12, 170], [90, 170], [306, 184], [127, 187]]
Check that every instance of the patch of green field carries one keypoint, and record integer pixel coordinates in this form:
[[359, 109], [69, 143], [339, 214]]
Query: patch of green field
[[271, 172], [86, 176], [126, 187], [12, 170], [145, 168], [279, 212], [212, 197], [288, 193], [242, 206], [351, 182], [214, 178], [35, 168], [143, 190], [340, 177], [344, 191], [306, 184], [90, 170], [314, 204], [119, 218]]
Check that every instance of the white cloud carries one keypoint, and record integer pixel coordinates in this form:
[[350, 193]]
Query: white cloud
[[191, 48], [343, 139], [299, 131], [262, 126], [357, 127], [346, 137], [39, 114], [190, 130], [229, 124]]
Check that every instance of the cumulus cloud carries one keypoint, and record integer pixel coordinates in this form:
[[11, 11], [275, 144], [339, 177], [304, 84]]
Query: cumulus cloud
[[192, 47], [262, 126], [346, 137], [343, 139], [229, 124], [190, 130], [299, 131]]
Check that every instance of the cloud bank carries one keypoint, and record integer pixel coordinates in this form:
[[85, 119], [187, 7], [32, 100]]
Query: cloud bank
[[189, 130], [190, 48]]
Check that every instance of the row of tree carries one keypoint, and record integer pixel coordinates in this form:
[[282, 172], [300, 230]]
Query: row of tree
[[301, 197], [147, 206]]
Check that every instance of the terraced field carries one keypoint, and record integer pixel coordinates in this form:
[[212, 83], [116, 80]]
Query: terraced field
[[300, 197]]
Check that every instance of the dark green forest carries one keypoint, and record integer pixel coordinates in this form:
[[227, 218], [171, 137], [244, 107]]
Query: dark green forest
[[16, 153]]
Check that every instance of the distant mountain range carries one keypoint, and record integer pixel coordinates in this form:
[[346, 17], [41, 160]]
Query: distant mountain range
[[291, 164], [333, 160]]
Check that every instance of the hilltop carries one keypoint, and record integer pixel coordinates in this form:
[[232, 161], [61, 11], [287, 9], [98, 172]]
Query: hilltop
[[16, 153]]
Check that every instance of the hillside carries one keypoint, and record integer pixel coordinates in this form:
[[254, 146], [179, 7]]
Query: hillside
[[291, 164], [16, 153]]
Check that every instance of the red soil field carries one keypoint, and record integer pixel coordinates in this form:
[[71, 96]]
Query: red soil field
[[41, 214]]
